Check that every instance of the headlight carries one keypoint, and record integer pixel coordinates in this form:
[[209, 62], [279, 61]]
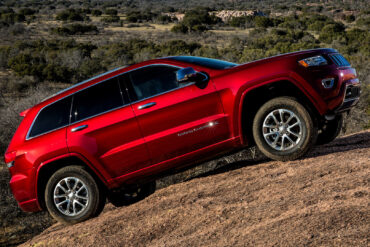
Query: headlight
[[313, 61]]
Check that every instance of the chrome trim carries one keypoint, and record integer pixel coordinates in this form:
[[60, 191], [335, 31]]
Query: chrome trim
[[37, 115], [148, 105], [70, 122], [81, 127], [325, 84], [80, 83], [354, 99]]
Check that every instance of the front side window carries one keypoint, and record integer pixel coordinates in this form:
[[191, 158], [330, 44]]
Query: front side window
[[97, 99], [52, 117], [152, 80]]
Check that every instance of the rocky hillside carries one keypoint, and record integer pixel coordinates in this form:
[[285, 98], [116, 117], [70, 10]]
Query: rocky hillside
[[320, 200]]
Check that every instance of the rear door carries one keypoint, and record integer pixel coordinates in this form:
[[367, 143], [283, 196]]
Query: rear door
[[175, 119], [105, 130]]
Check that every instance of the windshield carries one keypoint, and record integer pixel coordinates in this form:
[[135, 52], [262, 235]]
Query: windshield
[[205, 62]]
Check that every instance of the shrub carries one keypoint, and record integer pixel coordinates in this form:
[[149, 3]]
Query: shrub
[[177, 47], [242, 21], [27, 11], [196, 20], [166, 19], [11, 18], [199, 17], [136, 16], [350, 18], [331, 32], [179, 28], [54, 72], [263, 22], [111, 12], [75, 29], [71, 15], [363, 21], [110, 19], [96, 12]]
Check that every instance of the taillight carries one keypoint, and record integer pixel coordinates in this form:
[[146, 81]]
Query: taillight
[[9, 158]]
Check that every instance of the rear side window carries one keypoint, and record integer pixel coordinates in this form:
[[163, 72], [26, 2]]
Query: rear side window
[[52, 117], [97, 99]]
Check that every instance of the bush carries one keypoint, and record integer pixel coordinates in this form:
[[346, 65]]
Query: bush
[[110, 19], [11, 18], [331, 32], [196, 20], [111, 12], [27, 11], [166, 19], [75, 29], [199, 17], [71, 15], [96, 12], [363, 22], [263, 22], [179, 28], [242, 21], [350, 18], [137, 16], [178, 47]]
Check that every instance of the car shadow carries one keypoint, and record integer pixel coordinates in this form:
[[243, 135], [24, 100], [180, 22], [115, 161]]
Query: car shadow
[[341, 144]]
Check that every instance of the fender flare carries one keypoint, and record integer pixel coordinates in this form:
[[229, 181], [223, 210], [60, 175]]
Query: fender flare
[[106, 183], [298, 82]]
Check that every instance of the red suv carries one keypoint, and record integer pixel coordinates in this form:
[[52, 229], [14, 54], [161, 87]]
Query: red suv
[[111, 136]]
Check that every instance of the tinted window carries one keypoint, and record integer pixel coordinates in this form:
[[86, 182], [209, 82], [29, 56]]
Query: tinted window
[[152, 80], [206, 62], [97, 99], [52, 117]]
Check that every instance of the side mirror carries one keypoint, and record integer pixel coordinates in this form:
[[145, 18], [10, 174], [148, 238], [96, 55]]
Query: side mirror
[[187, 75]]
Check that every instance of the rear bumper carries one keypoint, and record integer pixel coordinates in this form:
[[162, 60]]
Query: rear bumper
[[23, 189], [30, 206]]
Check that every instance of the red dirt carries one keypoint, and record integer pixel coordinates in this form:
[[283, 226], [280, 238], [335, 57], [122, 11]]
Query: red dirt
[[322, 199]]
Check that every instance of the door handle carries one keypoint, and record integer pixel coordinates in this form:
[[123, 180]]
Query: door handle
[[148, 105], [81, 127]]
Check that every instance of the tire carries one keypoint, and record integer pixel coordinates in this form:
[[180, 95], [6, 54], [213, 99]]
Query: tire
[[272, 135], [330, 130], [130, 196], [71, 184]]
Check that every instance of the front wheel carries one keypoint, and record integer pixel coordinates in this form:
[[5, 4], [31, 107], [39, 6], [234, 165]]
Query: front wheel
[[72, 195], [283, 129]]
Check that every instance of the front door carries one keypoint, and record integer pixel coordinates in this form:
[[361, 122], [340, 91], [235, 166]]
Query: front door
[[175, 120]]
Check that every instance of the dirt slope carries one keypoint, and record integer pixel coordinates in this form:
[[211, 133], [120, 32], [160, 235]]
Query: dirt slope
[[322, 199]]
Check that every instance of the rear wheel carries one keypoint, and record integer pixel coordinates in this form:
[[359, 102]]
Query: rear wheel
[[330, 130], [129, 196], [283, 129], [72, 195]]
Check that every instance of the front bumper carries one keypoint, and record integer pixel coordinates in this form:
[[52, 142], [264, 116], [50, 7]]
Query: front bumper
[[350, 99], [347, 96]]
